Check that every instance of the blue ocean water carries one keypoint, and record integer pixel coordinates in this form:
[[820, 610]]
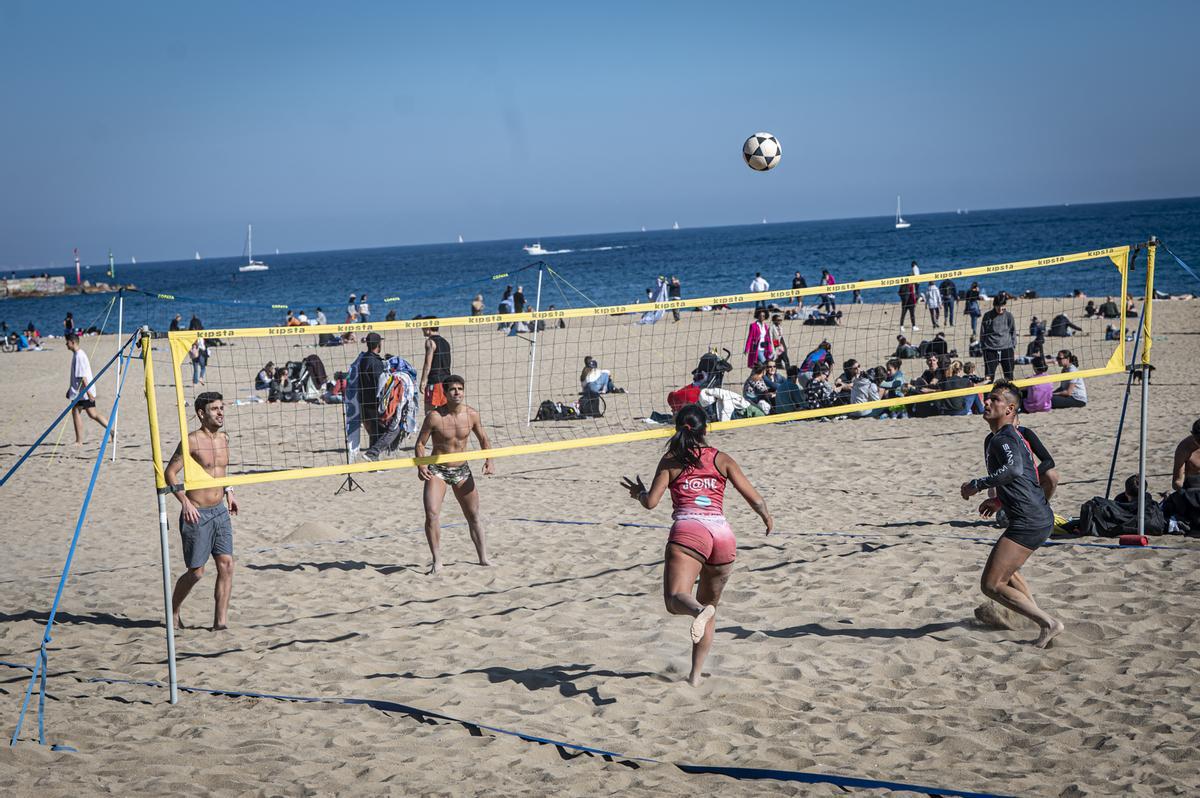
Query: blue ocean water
[[609, 268]]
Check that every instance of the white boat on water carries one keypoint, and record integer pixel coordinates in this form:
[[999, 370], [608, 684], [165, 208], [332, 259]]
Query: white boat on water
[[675, 226], [252, 265], [535, 249], [197, 254], [460, 240], [900, 223]]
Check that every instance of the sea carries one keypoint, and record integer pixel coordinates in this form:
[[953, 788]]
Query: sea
[[618, 267]]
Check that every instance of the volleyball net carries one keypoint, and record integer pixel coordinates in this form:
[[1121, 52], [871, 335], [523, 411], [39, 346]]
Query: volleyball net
[[302, 401]]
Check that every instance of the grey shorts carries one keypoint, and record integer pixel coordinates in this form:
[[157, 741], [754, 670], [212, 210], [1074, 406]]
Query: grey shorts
[[211, 534]]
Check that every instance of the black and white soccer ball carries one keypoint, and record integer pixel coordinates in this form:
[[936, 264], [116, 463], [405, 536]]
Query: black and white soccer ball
[[762, 152]]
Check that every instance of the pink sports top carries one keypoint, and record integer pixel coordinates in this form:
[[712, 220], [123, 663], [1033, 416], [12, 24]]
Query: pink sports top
[[699, 489]]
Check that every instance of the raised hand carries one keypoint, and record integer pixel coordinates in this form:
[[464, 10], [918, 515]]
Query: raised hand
[[635, 486]]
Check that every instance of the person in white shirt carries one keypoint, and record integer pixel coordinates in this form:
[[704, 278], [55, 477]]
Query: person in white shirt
[[352, 310], [364, 310], [933, 301], [757, 285], [321, 317], [81, 375]]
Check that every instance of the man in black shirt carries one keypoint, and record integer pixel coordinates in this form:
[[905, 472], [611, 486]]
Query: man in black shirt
[[674, 291], [1011, 471], [799, 282], [435, 368], [370, 366]]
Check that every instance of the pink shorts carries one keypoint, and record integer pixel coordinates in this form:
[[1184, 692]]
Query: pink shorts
[[710, 537]]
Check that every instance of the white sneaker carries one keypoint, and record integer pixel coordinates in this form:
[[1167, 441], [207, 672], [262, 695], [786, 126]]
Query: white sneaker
[[916, 328], [901, 328]]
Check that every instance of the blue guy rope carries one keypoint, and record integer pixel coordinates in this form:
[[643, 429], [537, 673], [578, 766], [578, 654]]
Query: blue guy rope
[[1179, 260], [39, 669], [384, 705], [82, 392]]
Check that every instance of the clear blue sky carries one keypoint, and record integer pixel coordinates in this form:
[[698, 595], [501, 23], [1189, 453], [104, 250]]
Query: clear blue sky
[[160, 128]]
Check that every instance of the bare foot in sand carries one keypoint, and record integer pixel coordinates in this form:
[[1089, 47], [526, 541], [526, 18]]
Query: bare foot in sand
[[1048, 634], [179, 625], [435, 568], [694, 679], [701, 621], [485, 562], [218, 627]]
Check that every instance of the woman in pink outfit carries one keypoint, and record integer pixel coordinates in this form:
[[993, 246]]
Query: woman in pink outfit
[[701, 543], [759, 348]]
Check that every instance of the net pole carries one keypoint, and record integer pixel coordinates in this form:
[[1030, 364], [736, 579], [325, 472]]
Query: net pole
[[161, 488], [1147, 307], [537, 306], [120, 336]]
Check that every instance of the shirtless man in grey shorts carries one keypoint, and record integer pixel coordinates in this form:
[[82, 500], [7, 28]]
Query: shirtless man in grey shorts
[[204, 523], [451, 426]]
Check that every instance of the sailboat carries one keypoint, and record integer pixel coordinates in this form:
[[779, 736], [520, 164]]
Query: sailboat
[[460, 238], [133, 261], [675, 226], [900, 223], [251, 264], [197, 254]]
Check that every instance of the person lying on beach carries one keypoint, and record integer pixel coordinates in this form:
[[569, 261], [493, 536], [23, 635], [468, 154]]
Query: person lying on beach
[[1011, 471], [701, 545]]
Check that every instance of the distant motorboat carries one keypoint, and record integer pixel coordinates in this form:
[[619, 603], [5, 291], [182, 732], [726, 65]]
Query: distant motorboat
[[900, 223], [252, 265], [535, 249]]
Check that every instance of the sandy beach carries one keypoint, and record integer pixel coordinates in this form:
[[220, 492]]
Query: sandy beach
[[846, 643]]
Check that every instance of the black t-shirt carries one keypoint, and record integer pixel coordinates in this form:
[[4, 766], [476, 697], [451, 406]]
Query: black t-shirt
[[1012, 473], [799, 282], [439, 369], [370, 366]]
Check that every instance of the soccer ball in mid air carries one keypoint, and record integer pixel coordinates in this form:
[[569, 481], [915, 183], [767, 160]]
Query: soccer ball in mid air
[[762, 152]]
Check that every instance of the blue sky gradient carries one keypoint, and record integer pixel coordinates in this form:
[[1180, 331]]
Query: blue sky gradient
[[157, 129]]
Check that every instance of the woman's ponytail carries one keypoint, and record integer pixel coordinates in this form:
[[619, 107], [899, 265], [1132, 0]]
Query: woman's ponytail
[[690, 425]]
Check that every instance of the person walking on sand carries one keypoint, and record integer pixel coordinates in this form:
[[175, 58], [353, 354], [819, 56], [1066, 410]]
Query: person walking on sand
[[204, 523], [81, 375], [701, 543], [1013, 474], [450, 426]]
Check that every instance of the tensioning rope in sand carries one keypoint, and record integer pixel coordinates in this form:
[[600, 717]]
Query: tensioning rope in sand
[[82, 392], [384, 705], [40, 663], [1179, 260]]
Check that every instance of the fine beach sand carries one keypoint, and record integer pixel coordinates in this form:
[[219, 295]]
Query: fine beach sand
[[846, 644]]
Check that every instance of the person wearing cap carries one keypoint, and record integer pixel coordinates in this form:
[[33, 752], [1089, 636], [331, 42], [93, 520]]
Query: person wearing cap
[[594, 379], [352, 310], [370, 367]]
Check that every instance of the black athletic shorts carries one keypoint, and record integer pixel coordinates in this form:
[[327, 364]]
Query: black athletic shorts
[[85, 404], [1032, 540]]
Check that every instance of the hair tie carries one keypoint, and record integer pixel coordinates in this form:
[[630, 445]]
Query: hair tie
[[688, 425]]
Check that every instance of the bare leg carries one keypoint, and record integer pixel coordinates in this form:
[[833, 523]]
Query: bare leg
[[997, 584], [76, 412], [468, 500], [187, 580], [679, 578], [712, 582], [434, 495], [94, 416], [222, 591]]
